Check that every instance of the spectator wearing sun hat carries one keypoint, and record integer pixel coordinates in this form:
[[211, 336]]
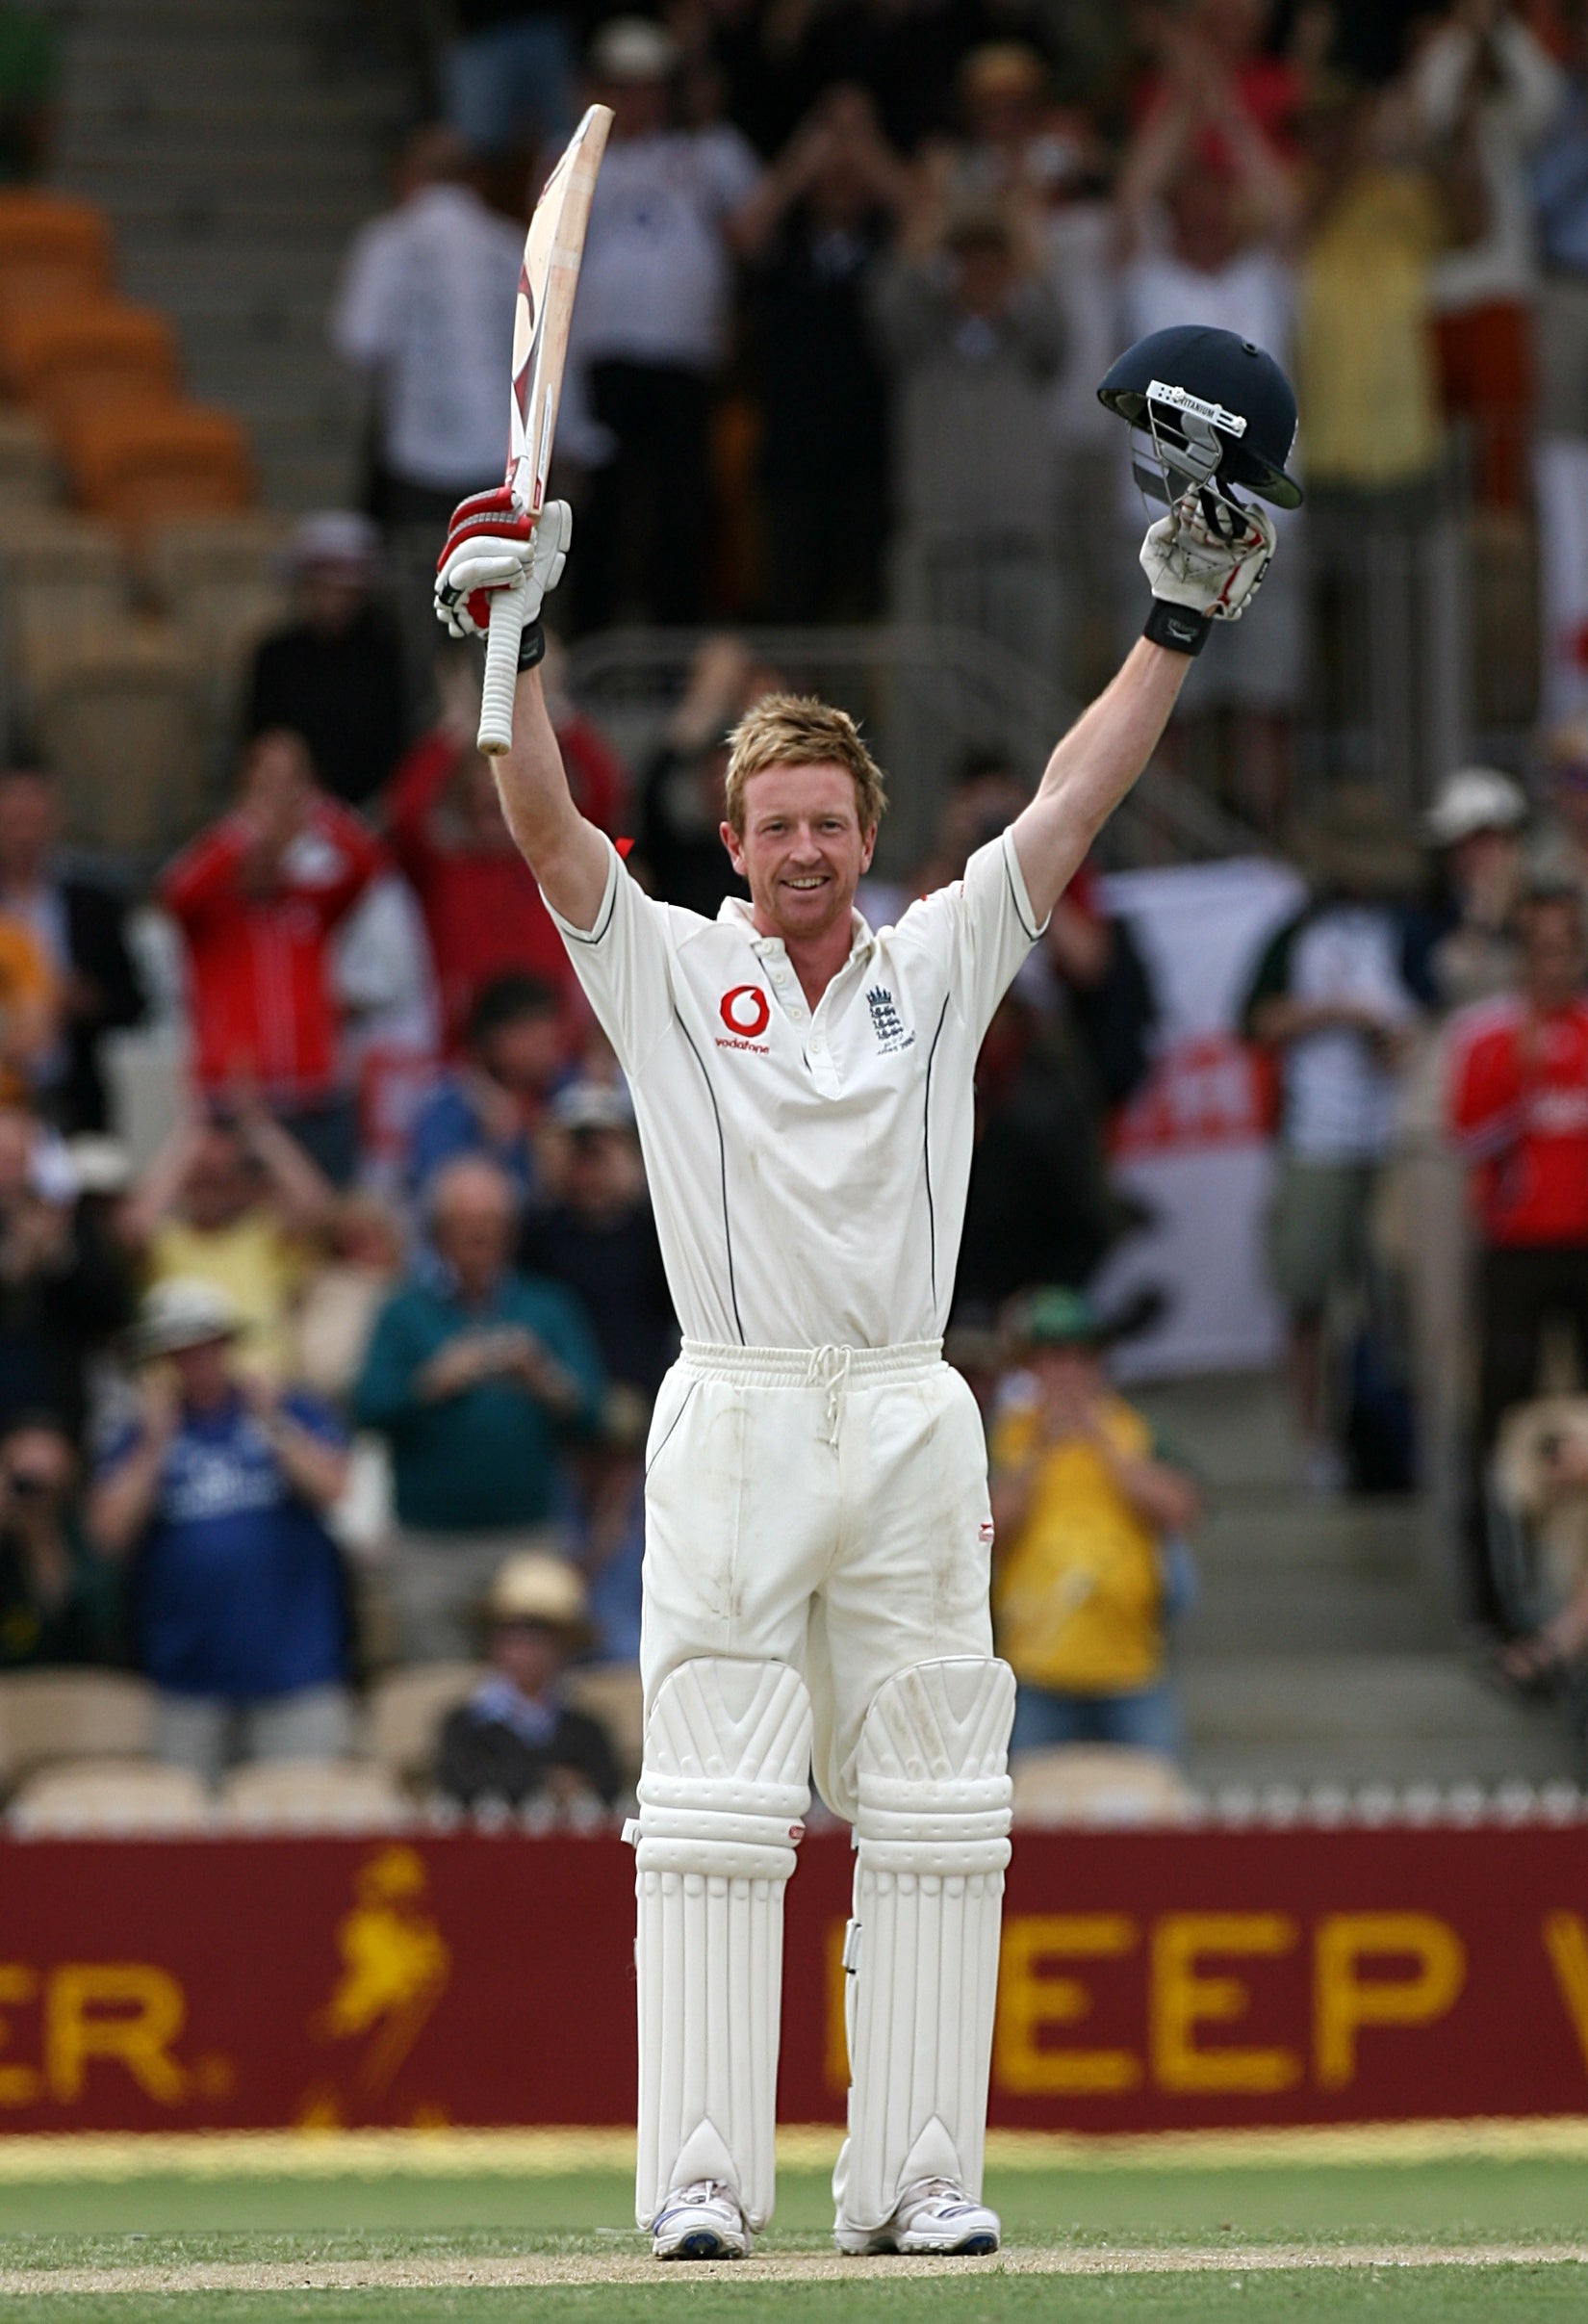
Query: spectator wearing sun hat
[[1088, 1515], [215, 1498], [517, 1740]]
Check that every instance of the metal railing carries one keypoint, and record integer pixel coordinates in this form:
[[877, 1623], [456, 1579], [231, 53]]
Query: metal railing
[[928, 697]]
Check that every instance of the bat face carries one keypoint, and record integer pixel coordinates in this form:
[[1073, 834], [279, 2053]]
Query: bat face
[[546, 280]]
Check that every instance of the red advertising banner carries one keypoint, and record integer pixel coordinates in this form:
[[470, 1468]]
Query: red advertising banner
[[1150, 1980]]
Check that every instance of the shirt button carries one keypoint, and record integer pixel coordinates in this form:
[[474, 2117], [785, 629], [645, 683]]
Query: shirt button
[[797, 1013]]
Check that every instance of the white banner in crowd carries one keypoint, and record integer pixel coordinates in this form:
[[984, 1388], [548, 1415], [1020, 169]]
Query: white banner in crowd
[[1561, 470], [1192, 1144]]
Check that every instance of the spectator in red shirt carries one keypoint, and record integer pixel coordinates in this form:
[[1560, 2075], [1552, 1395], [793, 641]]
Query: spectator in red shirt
[[1519, 1104], [256, 897], [481, 906]]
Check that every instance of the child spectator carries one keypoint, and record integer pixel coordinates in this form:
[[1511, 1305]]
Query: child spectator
[[1087, 1520], [516, 1739], [215, 1497], [229, 1201], [494, 1101], [59, 1602], [256, 897], [476, 1376]]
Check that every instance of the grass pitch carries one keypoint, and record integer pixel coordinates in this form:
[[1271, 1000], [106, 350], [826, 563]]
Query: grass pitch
[[1390, 2234]]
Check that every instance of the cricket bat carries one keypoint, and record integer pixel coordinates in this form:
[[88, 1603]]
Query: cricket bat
[[548, 279]]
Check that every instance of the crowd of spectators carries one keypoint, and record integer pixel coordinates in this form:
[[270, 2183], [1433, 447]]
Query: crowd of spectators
[[357, 1367], [853, 271]]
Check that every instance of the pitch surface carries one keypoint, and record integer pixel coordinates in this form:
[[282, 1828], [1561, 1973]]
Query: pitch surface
[[1407, 2243]]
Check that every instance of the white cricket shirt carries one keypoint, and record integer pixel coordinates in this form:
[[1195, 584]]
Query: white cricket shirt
[[808, 1172]]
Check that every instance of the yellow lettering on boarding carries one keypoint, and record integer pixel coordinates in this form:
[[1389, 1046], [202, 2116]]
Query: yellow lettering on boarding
[[19, 2086], [1343, 2001], [127, 2010], [1184, 1999], [1029, 2000]]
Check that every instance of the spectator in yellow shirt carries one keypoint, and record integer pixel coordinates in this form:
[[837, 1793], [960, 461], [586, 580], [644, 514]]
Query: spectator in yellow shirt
[[233, 1201], [28, 1010], [1090, 1564]]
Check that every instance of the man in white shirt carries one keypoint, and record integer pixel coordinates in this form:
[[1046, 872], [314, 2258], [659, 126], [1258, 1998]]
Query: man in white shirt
[[650, 329], [425, 311], [818, 1537]]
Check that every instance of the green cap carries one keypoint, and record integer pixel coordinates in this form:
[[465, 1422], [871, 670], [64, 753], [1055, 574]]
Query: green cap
[[1059, 1318]]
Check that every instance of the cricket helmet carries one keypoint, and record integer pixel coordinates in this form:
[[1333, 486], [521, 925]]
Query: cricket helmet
[[1211, 407]]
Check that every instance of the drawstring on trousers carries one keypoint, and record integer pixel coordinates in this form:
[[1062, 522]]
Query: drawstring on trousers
[[829, 1368]]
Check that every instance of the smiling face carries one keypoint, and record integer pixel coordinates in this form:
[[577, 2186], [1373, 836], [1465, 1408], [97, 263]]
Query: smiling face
[[802, 851]]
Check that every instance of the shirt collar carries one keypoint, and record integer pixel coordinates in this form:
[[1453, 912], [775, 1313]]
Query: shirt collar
[[734, 912]]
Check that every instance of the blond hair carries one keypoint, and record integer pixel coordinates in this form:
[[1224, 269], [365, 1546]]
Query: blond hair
[[797, 730]]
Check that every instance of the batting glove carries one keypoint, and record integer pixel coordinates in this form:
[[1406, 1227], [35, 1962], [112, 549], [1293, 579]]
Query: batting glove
[[491, 545], [1205, 560]]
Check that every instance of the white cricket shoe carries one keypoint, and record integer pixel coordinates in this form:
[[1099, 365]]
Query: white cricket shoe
[[934, 2215], [703, 2221]]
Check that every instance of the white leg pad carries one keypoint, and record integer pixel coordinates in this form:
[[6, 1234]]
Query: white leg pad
[[725, 1786], [931, 1844]]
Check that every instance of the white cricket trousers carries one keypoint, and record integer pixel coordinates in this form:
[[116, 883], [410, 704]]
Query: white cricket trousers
[[827, 1509]]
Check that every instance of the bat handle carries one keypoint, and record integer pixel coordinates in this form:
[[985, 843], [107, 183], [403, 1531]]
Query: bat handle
[[501, 669]]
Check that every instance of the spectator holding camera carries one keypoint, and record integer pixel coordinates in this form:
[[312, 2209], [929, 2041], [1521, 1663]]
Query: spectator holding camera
[[517, 1740], [257, 898], [215, 1497], [1087, 1515], [63, 1289], [229, 1201], [59, 1602], [476, 1376]]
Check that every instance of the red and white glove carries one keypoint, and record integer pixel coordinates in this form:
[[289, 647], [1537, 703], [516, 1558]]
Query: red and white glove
[[491, 545]]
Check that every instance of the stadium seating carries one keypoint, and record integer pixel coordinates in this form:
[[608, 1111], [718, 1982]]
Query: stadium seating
[[63, 1715], [62, 578], [94, 360], [30, 473], [220, 575], [51, 249], [137, 468], [300, 1794], [611, 1693], [405, 1710], [120, 721], [1096, 1783], [108, 1795]]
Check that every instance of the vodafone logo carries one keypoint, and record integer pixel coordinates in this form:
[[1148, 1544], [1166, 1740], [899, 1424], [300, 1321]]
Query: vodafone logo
[[746, 1011]]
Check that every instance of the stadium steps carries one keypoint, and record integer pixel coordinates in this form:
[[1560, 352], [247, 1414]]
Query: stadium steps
[[236, 154], [1319, 1651]]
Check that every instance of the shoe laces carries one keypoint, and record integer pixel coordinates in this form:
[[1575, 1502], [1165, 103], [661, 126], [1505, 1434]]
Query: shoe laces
[[703, 2191], [924, 2192]]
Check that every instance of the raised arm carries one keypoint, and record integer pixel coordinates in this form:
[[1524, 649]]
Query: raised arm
[[1092, 768], [568, 856], [1198, 578], [490, 546]]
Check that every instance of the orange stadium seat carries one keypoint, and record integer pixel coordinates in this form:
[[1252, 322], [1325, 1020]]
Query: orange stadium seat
[[62, 578], [86, 362], [51, 247], [161, 460]]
